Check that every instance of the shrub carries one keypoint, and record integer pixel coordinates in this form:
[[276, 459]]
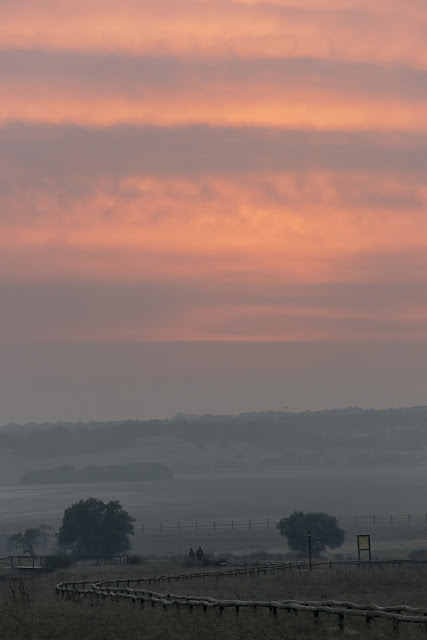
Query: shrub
[[134, 559], [58, 561], [418, 554]]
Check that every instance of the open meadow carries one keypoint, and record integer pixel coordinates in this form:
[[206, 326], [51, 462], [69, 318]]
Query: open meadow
[[31, 609]]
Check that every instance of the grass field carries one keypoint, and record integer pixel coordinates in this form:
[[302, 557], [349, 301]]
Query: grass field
[[30, 609]]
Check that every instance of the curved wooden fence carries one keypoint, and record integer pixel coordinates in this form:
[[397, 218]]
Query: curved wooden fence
[[116, 590]]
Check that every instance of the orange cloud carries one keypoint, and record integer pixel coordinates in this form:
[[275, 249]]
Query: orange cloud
[[272, 257], [246, 103], [283, 227], [346, 30], [212, 310]]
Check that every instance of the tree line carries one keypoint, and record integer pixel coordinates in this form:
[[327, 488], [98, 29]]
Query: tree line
[[92, 527], [381, 434]]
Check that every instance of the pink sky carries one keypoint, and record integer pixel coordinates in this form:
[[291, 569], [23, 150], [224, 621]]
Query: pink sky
[[210, 184]]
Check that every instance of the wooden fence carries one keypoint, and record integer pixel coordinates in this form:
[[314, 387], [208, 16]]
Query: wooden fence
[[114, 591], [37, 562]]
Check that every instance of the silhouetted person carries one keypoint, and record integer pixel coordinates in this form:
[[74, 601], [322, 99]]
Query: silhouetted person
[[199, 554], [191, 554]]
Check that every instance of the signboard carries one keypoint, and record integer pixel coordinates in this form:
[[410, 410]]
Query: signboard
[[363, 544]]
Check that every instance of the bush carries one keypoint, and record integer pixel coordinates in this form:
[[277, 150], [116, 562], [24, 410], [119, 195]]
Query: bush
[[134, 559], [264, 556], [208, 561], [58, 561], [418, 554]]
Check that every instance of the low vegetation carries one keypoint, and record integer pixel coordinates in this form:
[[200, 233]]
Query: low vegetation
[[58, 561], [29, 607]]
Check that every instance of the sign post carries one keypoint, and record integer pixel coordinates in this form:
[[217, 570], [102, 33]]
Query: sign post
[[364, 544]]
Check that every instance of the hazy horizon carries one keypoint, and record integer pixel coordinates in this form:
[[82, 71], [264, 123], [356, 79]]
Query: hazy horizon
[[116, 382]]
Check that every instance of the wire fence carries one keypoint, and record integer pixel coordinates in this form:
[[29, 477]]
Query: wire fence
[[356, 522], [348, 522]]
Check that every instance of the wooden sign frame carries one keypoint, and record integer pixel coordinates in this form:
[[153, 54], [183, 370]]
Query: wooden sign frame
[[364, 544]]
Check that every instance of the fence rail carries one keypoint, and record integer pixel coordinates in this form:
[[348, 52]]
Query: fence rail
[[39, 561], [352, 521]]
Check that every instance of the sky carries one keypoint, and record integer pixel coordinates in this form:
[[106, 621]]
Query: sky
[[211, 206]]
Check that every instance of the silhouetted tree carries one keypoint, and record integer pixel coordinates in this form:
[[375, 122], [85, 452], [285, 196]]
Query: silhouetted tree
[[323, 528], [28, 540], [93, 527]]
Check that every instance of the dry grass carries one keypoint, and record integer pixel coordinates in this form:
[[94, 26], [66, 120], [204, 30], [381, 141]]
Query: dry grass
[[48, 617]]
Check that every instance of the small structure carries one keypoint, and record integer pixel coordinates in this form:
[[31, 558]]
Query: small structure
[[364, 544]]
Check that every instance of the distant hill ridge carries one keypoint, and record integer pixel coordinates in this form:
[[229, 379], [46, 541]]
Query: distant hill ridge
[[206, 418]]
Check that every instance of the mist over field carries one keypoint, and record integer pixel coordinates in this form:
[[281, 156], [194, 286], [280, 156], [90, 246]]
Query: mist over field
[[216, 467]]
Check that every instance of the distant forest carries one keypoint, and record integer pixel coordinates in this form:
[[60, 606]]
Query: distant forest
[[350, 436], [66, 474]]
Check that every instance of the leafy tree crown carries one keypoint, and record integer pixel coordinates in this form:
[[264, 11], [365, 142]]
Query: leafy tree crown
[[27, 541], [323, 528], [93, 527]]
